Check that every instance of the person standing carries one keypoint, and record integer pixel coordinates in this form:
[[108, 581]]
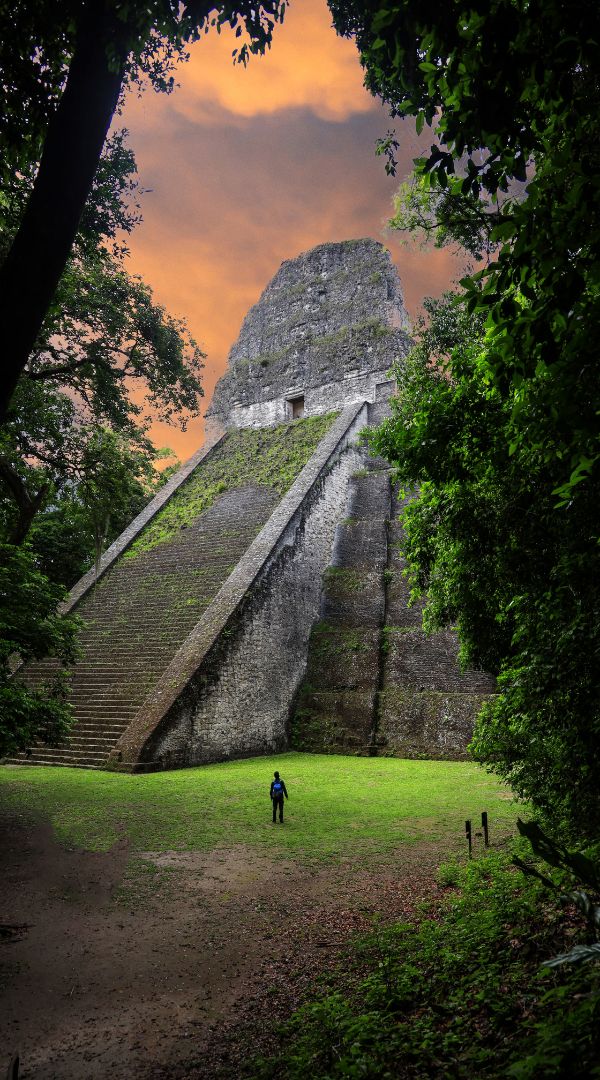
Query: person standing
[[278, 790]]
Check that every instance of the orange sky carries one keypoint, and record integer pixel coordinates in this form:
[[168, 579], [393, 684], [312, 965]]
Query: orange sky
[[248, 167]]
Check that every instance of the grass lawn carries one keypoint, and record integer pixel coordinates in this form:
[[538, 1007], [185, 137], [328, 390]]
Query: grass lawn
[[339, 807]]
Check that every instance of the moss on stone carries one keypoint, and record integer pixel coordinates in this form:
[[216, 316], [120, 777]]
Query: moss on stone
[[340, 581], [284, 359], [269, 457], [328, 641]]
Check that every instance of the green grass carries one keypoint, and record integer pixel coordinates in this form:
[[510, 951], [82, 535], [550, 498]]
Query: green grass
[[339, 807]]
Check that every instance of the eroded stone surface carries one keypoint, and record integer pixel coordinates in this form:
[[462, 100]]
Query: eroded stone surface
[[254, 590], [375, 682], [326, 329]]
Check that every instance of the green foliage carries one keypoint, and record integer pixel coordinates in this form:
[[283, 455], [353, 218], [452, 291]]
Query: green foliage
[[496, 557], [73, 412], [496, 84], [504, 442], [68, 486], [465, 222], [271, 457], [458, 994], [38, 44], [62, 75], [342, 581], [30, 627], [582, 870], [104, 329], [112, 482]]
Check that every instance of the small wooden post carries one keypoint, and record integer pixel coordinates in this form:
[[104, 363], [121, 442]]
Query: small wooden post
[[469, 838], [484, 825]]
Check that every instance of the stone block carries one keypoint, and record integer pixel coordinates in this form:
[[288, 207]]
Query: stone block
[[360, 544], [396, 560], [341, 658], [353, 597], [369, 496], [379, 411], [333, 721], [426, 725], [398, 613], [417, 661]]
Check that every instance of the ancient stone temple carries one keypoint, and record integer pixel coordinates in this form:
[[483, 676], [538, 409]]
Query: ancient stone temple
[[258, 602], [323, 334]]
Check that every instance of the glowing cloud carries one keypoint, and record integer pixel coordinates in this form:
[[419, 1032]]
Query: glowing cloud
[[307, 67], [234, 193]]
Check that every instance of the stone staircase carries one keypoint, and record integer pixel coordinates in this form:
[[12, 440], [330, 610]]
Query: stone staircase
[[137, 617]]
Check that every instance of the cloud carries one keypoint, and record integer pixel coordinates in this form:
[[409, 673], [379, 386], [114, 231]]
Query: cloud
[[230, 200], [308, 66]]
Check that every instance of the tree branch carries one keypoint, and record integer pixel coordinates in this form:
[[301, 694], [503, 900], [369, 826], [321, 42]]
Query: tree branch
[[58, 370], [27, 505]]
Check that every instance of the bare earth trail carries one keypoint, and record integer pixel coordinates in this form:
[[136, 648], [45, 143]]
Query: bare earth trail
[[174, 964]]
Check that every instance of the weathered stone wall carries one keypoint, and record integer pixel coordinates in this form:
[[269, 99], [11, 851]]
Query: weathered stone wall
[[327, 328], [317, 400], [245, 706], [163, 574], [375, 682], [228, 691], [335, 710]]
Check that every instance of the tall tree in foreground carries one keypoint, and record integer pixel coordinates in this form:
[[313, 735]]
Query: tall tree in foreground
[[107, 361], [63, 68], [501, 429], [75, 460]]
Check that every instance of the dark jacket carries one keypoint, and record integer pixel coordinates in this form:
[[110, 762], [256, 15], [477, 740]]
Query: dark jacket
[[283, 789]]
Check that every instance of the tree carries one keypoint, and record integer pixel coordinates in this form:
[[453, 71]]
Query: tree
[[75, 461], [30, 628], [63, 68], [107, 336], [502, 433], [518, 579], [466, 224], [511, 87], [103, 341]]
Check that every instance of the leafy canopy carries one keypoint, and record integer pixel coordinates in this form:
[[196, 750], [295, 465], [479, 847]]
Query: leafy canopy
[[38, 42], [107, 360], [517, 576], [499, 426], [63, 70]]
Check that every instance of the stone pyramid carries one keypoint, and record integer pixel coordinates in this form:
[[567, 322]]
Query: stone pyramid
[[258, 602]]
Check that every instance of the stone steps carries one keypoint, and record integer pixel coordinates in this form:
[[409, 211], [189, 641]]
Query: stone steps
[[91, 761], [137, 617], [123, 715]]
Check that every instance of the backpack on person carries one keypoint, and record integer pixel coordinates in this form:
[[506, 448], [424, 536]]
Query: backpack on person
[[277, 790]]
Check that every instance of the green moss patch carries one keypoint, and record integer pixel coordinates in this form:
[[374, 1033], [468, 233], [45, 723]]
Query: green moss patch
[[272, 457], [341, 581]]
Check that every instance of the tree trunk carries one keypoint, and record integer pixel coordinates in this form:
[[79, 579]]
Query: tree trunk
[[74, 142], [27, 505]]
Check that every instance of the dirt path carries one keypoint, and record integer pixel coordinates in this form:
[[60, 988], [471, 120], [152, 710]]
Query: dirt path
[[173, 964]]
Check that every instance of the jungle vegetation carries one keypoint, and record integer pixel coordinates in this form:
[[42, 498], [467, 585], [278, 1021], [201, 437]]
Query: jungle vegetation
[[497, 418]]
